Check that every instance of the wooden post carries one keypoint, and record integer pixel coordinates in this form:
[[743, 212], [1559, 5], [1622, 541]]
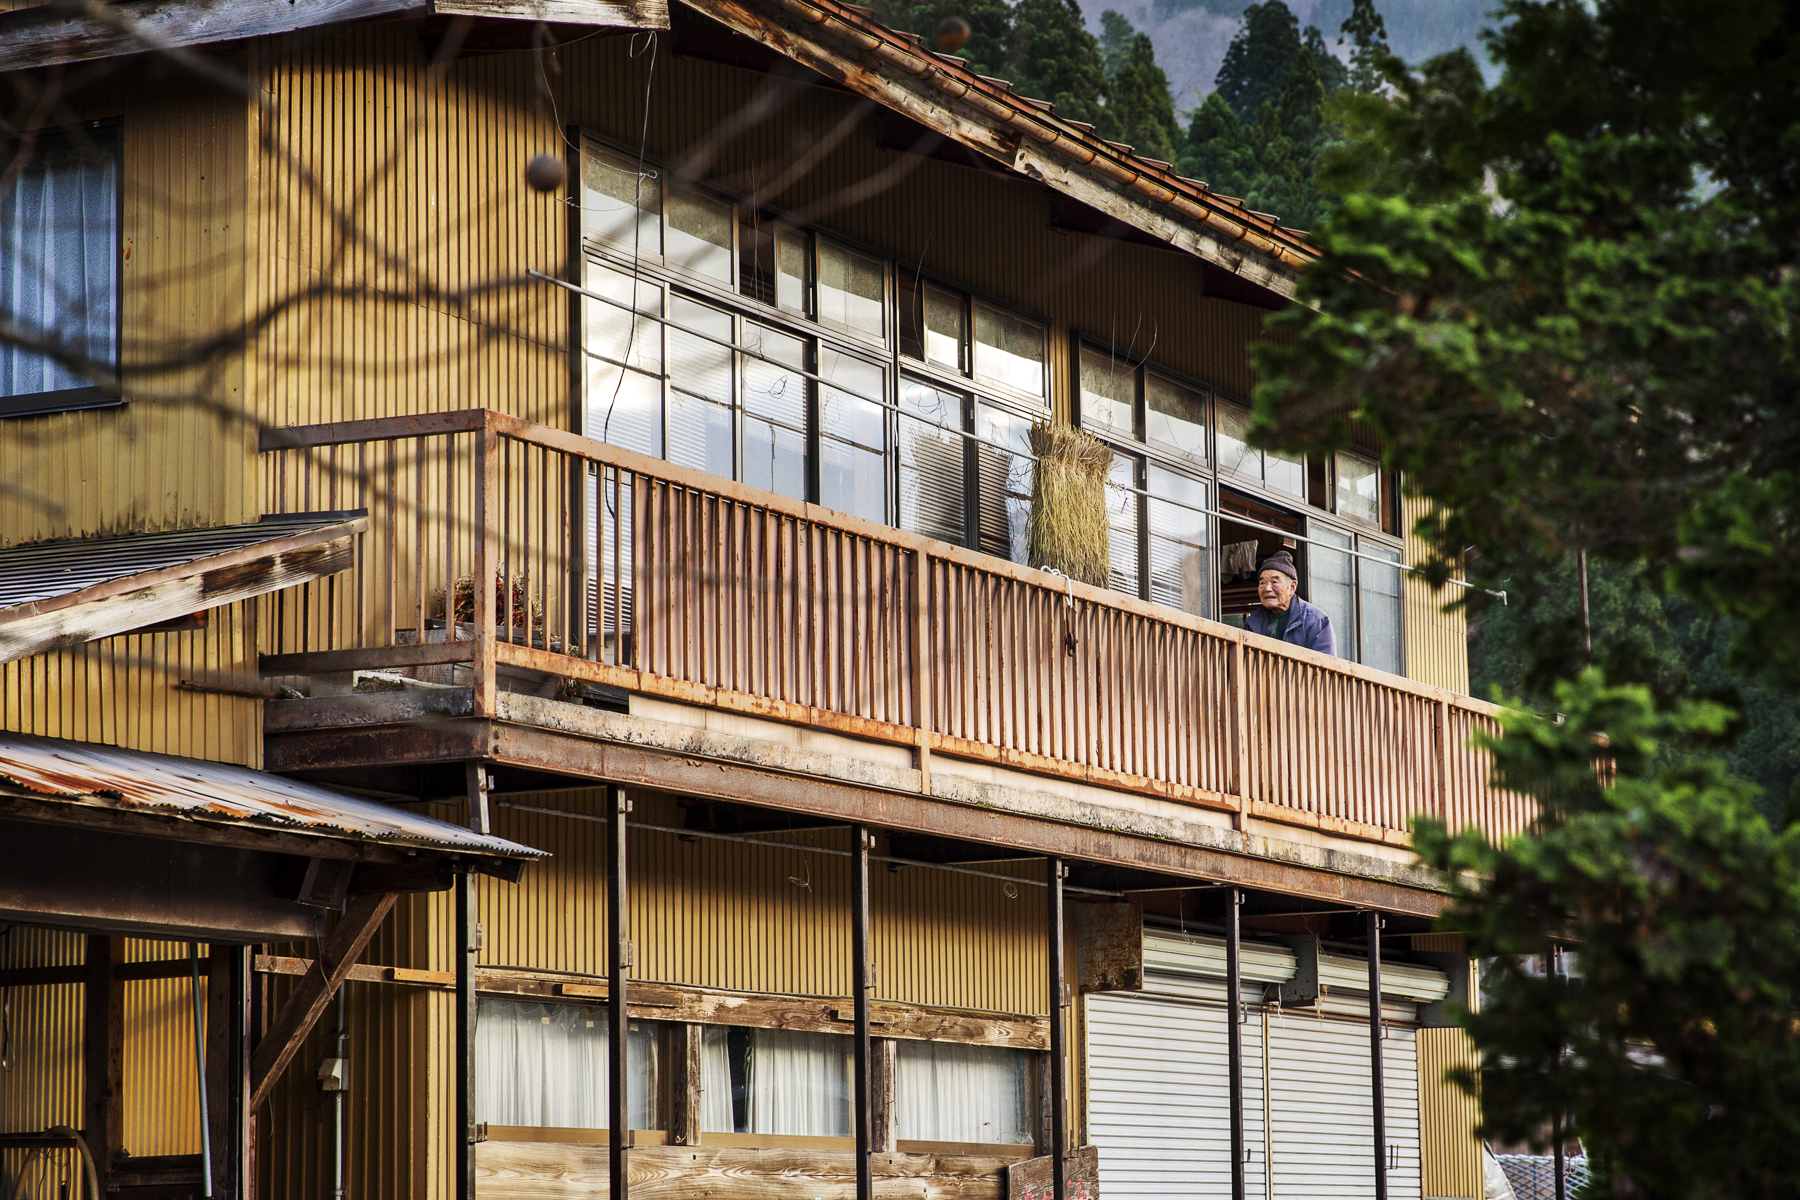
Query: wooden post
[[618, 957], [228, 1068], [1234, 1039], [103, 1051], [1059, 1060], [468, 945], [687, 1046], [486, 561], [1376, 1082], [859, 982], [882, 1112], [1441, 737]]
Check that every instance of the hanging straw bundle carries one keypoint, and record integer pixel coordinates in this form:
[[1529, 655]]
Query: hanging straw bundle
[[1068, 531]]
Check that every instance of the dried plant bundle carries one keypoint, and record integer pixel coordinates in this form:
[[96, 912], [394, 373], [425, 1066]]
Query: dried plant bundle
[[522, 602], [1068, 530]]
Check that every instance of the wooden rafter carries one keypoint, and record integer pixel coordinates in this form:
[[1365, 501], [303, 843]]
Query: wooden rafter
[[362, 916]]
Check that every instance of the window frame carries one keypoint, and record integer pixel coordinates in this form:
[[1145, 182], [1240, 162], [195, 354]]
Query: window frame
[[88, 396]]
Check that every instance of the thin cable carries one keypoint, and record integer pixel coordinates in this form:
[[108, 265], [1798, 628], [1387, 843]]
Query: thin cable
[[826, 850]]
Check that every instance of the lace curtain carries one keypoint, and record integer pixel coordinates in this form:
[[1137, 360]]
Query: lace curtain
[[948, 1092], [775, 1081], [59, 256], [544, 1066]]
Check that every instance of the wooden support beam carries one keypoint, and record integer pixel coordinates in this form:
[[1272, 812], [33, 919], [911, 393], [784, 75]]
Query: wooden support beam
[[1377, 1085], [103, 1051], [1234, 1039], [619, 1023], [686, 1046], [468, 946], [883, 1111], [1059, 1049], [859, 999], [362, 916], [228, 1068]]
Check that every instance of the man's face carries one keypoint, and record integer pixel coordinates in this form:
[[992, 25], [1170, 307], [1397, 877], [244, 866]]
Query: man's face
[[1275, 590]]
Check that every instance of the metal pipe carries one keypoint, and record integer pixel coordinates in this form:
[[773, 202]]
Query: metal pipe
[[860, 982], [1234, 1040], [200, 1070], [1377, 1084], [619, 1022], [1059, 1062], [340, 1051], [465, 1036]]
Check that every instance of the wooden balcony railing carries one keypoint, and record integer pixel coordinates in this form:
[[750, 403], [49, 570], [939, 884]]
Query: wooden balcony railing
[[630, 572]]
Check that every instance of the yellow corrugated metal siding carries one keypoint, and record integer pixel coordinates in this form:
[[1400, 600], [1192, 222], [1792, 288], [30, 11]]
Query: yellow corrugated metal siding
[[756, 918], [399, 1101], [40, 1082], [121, 691], [179, 455], [1450, 1155], [162, 1091], [1437, 643]]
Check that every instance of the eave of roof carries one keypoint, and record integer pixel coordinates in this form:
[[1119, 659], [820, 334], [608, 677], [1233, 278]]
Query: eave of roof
[[74, 590], [896, 70], [78, 776]]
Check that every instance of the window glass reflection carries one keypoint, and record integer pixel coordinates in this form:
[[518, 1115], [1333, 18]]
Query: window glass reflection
[[1108, 392], [700, 235], [1009, 350], [1235, 451], [700, 391], [1180, 565], [1174, 416], [931, 462], [852, 437], [852, 290], [1359, 487], [1004, 476], [1122, 524], [775, 413], [613, 193]]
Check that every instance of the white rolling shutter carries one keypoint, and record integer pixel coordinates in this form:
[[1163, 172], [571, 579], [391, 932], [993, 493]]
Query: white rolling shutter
[[1321, 1108], [1159, 1100]]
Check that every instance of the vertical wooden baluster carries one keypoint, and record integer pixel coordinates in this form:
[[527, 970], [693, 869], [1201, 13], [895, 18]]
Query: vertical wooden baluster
[[485, 528]]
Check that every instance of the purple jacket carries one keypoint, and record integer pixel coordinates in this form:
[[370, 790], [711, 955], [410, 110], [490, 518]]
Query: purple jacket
[[1307, 626]]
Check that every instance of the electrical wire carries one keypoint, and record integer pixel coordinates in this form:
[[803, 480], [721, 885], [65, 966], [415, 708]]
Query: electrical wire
[[829, 851]]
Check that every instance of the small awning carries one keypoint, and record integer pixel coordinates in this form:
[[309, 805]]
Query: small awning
[[127, 841], [71, 591]]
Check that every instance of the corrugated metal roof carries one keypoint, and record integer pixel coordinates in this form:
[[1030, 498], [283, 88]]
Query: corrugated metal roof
[[43, 570], [219, 793]]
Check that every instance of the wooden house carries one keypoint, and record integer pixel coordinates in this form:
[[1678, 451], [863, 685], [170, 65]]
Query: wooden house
[[629, 408]]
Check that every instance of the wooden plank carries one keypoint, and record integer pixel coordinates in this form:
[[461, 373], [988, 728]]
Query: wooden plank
[[282, 1041], [368, 658], [686, 1044], [69, 622], [1030, 1178], [546, 1171]]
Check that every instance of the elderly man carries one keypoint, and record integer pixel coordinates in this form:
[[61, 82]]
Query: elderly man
[[1283, 615]]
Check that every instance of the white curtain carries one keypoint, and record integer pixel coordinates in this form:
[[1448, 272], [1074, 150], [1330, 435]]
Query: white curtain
[[59, 247], [544, 1065], [799, 1083], [715, 1081], [947, 1092]]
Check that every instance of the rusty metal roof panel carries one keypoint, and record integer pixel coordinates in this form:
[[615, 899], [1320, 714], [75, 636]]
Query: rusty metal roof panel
[[219, 793], [43, 570]]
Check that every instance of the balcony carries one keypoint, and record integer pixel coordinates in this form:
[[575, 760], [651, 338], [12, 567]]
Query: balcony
[[613, 575]]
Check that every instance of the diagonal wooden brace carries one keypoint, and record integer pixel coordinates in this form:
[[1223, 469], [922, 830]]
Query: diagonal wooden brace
[[362, 917]]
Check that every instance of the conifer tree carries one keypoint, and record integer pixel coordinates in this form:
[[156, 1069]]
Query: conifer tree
[[1139, 110], [1260, 59], [1053, 57], [990, 28]]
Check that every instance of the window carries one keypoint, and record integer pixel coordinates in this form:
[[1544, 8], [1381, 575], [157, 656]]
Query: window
[[545, 1066], [1158, 498], [775, 1081], [1277, 472], [59, 269], [950, 1092], [1359, 487], [1349, 577]]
